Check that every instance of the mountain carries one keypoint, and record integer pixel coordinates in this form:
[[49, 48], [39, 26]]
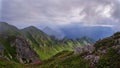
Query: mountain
[[104, 53], [36, 36], [7, 29], [14, 47], [39, 41], [46, 46], [94, 32], [87, 39], [32, 46], [58, 35]]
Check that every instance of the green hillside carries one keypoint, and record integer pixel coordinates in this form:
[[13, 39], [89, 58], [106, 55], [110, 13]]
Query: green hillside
[[46, 46], [22, 48], [8, 34], [13, 46], [107, 49], [65, 59], [10, 64]]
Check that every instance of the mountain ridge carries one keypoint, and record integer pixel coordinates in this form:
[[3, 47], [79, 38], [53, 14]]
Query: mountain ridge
[[94, 32], [42, 43], [51, 32]]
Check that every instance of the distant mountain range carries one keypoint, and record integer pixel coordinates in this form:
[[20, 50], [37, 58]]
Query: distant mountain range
[[78, 31], [94, 32]]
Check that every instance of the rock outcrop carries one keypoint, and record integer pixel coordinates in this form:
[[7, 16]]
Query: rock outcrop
[[87, 51], [86, 48], [92, 58], [1, 50], [14, 46], [103, 51], [24, 53]]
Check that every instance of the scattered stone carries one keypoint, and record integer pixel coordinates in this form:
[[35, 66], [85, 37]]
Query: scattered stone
[[87, 48], [92, 58], [104, 51]]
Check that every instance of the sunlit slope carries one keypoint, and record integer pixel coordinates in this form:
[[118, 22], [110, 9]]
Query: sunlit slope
[[46, 46]]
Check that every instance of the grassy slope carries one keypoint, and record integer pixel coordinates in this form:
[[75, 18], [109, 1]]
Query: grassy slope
[[112, 58], [65, 59], [9, 64], [9, 51], [109, 60], [47, 52], [45, 46]]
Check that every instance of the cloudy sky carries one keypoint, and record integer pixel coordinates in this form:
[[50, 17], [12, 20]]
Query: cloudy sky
[[0, 8], [23, 13]]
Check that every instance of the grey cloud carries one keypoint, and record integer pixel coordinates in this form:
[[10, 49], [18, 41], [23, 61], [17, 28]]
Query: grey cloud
[[116, 13], [43, 12], [0, 8]]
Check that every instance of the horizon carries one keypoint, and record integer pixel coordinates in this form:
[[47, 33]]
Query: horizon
[[71, 18], [75, 32]]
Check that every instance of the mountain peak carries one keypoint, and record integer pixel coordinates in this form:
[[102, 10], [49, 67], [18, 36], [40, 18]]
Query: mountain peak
[[31, 27], [8, 29], [3, 23], [33, 30], [47, 27]]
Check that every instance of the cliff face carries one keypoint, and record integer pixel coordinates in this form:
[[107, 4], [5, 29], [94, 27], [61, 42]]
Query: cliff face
[[18, 49], [14, 47], [25, 54]]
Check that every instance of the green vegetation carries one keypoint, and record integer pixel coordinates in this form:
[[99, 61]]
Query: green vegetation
[[9, 64], [65, 59], [46, 46], [116, 35], [10, 51], [105, 43], [110, 60], [54, 53]]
